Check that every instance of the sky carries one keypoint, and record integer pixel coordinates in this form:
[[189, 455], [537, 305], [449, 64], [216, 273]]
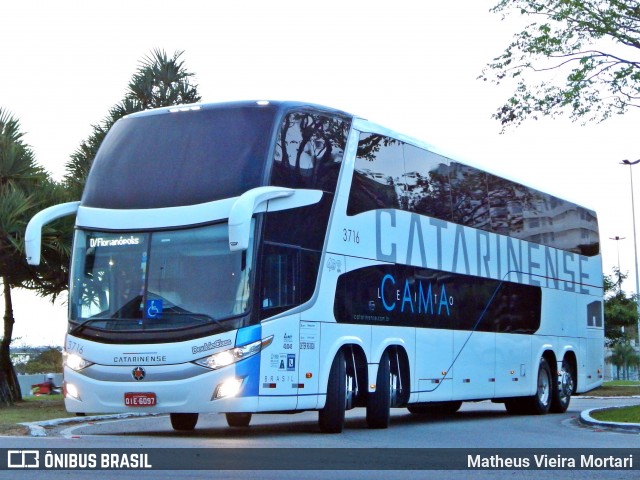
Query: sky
[[410, 66]]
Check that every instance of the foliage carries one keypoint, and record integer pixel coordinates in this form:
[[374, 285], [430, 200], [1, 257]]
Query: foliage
[[592, 46], [47, 361], [624, 356], [620, 311], [160, 81], [25, 188]]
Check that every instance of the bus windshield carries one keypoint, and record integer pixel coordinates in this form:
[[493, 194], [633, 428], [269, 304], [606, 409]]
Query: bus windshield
[[157, 281]]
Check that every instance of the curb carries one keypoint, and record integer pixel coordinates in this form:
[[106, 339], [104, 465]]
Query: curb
[[587, 419], [38, 429]]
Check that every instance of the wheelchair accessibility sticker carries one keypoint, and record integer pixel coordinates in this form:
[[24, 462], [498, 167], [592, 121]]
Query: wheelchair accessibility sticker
[[154, 308]]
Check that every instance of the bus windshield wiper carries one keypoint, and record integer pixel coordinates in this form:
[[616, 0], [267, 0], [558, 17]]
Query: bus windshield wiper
[[185, 313], [81, 326]]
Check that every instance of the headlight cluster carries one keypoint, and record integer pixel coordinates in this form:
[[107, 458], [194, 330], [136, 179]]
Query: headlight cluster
[[76, 362], [233, 355]]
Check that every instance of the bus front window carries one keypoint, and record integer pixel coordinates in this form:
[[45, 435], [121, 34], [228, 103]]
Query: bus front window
[[158, 281]]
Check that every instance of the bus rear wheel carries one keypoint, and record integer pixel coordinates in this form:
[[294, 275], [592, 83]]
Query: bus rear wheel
[[562, 388], [339, 395], [183, 421], [540, 402], [238, 419]]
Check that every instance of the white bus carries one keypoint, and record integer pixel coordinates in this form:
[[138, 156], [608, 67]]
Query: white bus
[[278, 257]]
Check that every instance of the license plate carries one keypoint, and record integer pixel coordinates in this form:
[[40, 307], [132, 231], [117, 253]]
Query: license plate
[[147, 399]]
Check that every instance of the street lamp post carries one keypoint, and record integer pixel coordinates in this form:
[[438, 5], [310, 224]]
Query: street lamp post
[[635, 240], [617, 239]]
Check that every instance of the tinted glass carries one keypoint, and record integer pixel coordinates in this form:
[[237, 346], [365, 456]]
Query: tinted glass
[[506, 203], [427, 183], [309, 151], [378, 179], [430, 184], [305, 227], [469, 196], [183, 158], [289, 277], [420, 297]]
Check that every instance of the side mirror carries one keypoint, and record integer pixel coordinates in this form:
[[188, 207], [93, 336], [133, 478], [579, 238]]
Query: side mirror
[[254, 200], [33, 234]]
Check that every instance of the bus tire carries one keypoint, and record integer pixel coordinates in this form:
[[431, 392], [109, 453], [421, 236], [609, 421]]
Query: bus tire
[[331, 417], [562, 388], [238, 419], [379, 402], [516, 406], [435, 408], [538, 403], [184, 422]]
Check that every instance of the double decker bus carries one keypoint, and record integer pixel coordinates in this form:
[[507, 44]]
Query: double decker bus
[[277, 257]]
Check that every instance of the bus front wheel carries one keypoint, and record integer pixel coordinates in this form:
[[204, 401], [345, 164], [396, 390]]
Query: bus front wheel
[[183, 421], [238, 419]]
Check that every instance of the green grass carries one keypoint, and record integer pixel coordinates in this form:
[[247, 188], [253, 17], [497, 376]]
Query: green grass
[[618, 388], [622, 383], [622, 415], [31, 409]]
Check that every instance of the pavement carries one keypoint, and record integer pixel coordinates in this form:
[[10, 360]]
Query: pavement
[[39, 429]]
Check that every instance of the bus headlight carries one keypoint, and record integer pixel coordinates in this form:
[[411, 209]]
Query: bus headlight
[[76, 362], [233, 355], [71, 390], [229, 388]]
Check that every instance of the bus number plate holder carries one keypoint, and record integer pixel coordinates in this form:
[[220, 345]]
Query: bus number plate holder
[[137, 399]]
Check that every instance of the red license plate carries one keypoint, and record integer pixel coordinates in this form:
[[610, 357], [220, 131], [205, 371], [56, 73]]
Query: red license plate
[[147, 399]]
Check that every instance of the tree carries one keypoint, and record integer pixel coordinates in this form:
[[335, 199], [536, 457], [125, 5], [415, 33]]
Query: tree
[[47, 361], [160, 81], [25, 188], [620, 311], [593, 46], [623, 356]]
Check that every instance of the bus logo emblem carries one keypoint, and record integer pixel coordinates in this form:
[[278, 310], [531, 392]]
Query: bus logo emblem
[[138, 373]]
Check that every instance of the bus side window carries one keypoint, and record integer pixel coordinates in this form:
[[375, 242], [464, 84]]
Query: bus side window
[[279, 277], [378, 178]]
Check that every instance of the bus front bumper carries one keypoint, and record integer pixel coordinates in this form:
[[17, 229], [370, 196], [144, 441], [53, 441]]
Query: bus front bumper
[[213, 391]]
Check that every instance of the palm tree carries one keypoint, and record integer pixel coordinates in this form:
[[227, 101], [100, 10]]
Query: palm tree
[[623, 356], [25, 188], [160, 81], [19, 175]]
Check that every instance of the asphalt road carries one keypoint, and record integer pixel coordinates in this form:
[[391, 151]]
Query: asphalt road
[[476, 425]]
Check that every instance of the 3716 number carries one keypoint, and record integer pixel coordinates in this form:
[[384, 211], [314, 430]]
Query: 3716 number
[[350, 236]]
